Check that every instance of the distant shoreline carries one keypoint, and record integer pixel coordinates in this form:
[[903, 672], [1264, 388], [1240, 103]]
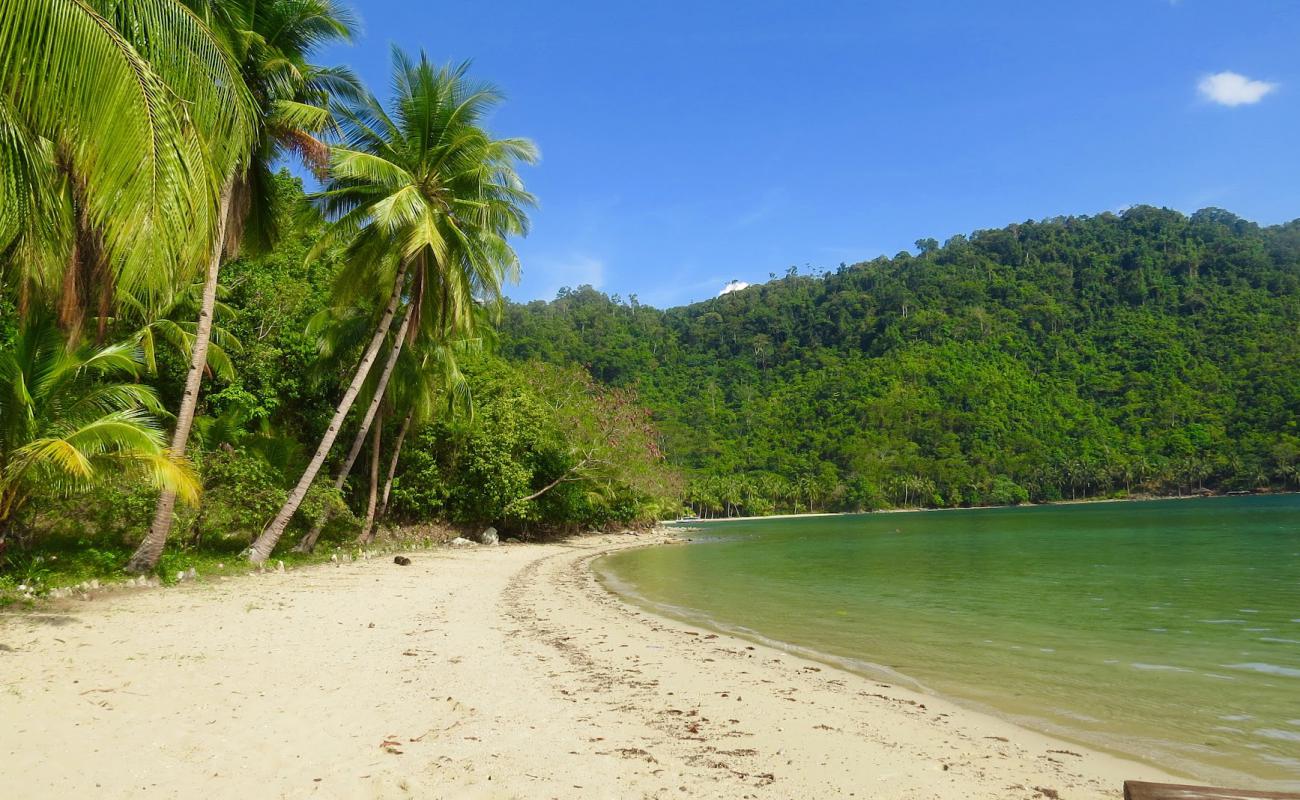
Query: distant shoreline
[[915, 509]]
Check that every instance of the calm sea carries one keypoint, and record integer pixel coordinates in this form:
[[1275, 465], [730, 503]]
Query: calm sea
[[1168, 631]]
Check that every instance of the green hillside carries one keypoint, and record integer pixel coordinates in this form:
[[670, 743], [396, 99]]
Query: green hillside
[[1075, 357]]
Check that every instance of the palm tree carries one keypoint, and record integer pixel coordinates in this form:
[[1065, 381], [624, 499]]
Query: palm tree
[[271, 42], [425, 375], [170, 327], [117, 119], [342, 332], [339, 331], [426, 201], [70, 416]]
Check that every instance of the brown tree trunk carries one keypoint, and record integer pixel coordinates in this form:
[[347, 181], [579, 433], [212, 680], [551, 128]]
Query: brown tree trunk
[[266, 542], [150, 550], [24, 299], [308, 542], [554, 483], [373, 499], [392, 464], [71, 304], [105, 303]]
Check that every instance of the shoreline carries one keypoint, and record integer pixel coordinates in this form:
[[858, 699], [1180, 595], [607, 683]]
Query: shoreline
[[489, 672], [920, 509]]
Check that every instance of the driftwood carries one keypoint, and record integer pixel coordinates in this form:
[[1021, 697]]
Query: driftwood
[[1140, 790]]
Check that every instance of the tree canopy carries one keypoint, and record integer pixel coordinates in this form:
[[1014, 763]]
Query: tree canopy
[[1074, 357]]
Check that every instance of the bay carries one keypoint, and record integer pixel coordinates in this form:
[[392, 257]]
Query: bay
[[1167, 631]]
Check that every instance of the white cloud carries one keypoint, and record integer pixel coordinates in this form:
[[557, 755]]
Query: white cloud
[[733, 286], [1233, 89]]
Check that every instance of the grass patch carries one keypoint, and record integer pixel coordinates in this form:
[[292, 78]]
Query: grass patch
[[56, 561]]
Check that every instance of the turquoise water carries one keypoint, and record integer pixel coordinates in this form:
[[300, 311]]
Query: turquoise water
[[1168, 631]]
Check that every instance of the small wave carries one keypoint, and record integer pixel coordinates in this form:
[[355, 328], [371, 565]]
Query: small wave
[[1224, 621], [1236, 717], [1291, 764], [1267, 669], [1248, 611], [1276, 640], [1278, 733], [1076, 715], [1160, 667]]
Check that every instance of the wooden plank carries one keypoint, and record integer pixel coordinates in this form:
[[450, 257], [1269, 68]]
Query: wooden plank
[[1141, 790]]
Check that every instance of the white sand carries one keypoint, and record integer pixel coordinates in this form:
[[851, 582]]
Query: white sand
[[495, 672]]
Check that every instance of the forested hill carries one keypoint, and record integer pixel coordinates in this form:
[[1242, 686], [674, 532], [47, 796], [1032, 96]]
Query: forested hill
[[1145, 351]]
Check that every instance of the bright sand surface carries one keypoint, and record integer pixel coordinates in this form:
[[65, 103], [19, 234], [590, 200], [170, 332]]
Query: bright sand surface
[[481, 673]]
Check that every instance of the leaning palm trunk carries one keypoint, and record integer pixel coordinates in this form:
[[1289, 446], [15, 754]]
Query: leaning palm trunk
[[266, 542], [392, 465], [150, 550], [366, 537], [308, 542]]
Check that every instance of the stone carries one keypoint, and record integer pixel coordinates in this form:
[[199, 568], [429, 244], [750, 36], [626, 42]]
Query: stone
[[402, 561], [461, 541], [191, 574], [489, 537], [279, 566]]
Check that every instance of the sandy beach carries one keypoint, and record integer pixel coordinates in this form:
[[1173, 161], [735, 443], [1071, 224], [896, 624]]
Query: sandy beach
[[480, 673]]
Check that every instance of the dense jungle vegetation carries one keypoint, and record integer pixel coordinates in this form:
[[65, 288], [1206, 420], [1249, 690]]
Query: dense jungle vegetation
[[1138, 353], [198, 361], [527, 447]]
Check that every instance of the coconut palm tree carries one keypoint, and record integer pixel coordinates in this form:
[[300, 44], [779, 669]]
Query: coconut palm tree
[[423, 371], [426, 201], [92, 166], [436, 375], [171, 327], [271, 41], [415, 388], [339, 331], [69, 417]]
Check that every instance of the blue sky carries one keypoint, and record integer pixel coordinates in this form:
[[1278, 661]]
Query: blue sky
[[686, 144]]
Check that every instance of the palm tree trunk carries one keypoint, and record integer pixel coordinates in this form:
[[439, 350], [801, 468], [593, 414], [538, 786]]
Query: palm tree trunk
[[392, 464], [150, 550], [373, 500], [308, 542], [266, 542]]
